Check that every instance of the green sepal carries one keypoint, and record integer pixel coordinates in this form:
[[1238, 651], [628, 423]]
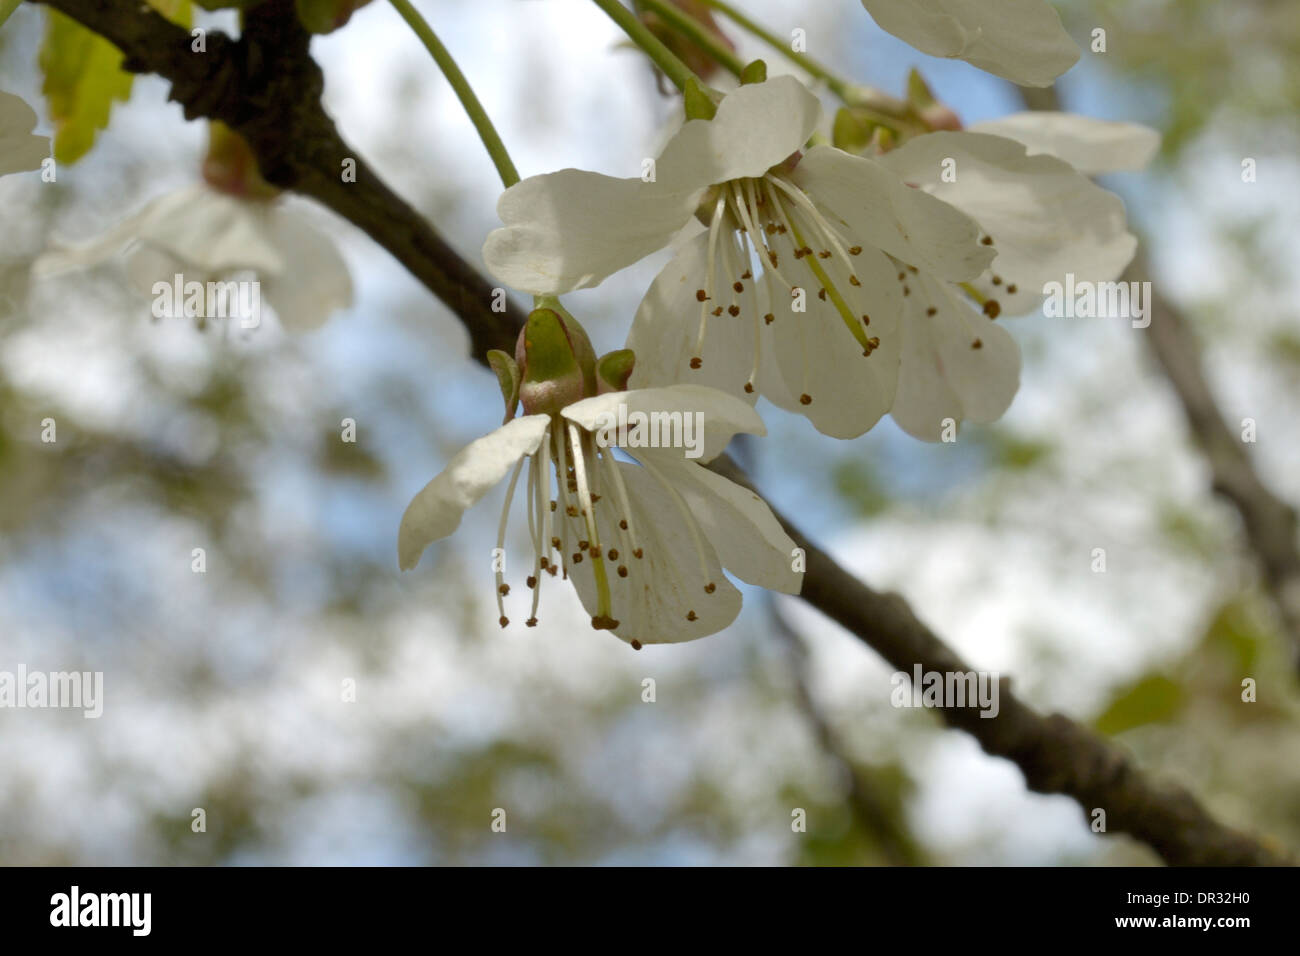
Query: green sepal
[[613, 370], [507, 373], [699, 104], [754, 72]]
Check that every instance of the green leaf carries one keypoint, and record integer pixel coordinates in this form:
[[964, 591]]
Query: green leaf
[[1153, 699], [84, 76]]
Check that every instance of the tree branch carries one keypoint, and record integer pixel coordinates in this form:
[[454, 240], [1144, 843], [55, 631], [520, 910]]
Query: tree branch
[[266, 87]]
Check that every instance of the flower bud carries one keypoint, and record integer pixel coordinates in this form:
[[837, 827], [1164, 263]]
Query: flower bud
[[230, 166]]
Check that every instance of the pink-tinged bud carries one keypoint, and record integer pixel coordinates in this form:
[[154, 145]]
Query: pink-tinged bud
[[230, 166], [940, 117], [688, 51]]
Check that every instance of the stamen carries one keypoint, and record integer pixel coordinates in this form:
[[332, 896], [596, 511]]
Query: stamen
[[501, 538], [589, 512]]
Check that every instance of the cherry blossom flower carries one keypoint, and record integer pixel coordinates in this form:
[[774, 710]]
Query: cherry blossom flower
[[231, 224], [643, 542], [1044, 218], [795, 288]]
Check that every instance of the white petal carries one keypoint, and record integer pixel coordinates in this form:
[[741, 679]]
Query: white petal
[[652, 603], [722, 415], [572, 229], [315, 281], [666, 327], [1092, 146], [20, 151], [756, 127], [1019, 40], [436, 511], [210, 232], [942, 375], [1045, 218], [881, 210], [739, 524], [817, 355]]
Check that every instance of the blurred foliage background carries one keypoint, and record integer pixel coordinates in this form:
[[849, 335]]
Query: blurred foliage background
[[223, 689]]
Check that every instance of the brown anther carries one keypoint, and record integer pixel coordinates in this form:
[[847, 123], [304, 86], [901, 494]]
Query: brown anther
[[531, 622], [603, 622], [853, 280], [738, 286], [906, 291], [557, 544], [636, 553], [733, 310], [582, 545], [622, 523], [1011, 288], [987, 240], [902, 276], [552, 505], [701, 295], [806, 251], [824, 254], [749, 387], [622, 570], [866, 319], [977, 344], [613, 554], [577, 557], [772, 257], [997, 280], [710, 588], [717, 311], [805, 399], [931, 311], [691, 616], [992, 309], [912, 269], [636, 645], [503, 620], [696, 362], [821, 294], [769, 318], [855, 250], [747, 274], [503, 589], [531, 581]]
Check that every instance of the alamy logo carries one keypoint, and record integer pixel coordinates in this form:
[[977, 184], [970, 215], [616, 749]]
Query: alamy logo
[[211, 300], [1098, 300], [638, 429], [83, 690], [75, 908], [946, 689]]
